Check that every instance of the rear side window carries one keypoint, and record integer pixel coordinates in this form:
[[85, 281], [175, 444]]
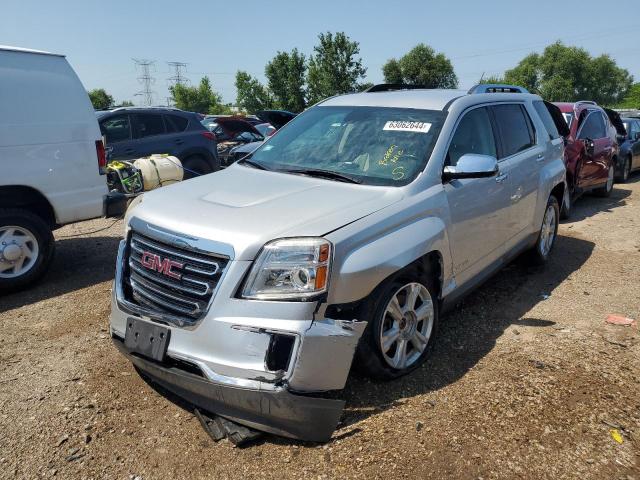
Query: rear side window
[[175, 123], [116, 128], [546, 118], [514, 127], [473, 135], [148, 124], [593, 127]]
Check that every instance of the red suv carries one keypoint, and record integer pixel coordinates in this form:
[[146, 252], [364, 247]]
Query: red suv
[[591, 150]]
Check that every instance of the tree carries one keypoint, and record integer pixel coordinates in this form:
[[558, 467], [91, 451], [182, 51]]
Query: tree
[[100, 99], [334, 67], [286, 80], [126, 103], [252, 96], [421, 66], [632, 99], [563, 73], [201, 99]]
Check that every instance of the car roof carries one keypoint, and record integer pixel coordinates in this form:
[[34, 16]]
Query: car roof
[[28, 50]]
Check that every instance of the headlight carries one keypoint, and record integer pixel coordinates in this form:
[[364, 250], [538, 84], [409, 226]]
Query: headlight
[[291, 268]]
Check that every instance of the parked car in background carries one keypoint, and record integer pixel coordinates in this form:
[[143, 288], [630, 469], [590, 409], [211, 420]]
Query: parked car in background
[[52, 161], [629, 149], [348, 231], [591, 151], [230, 132], [134, 132], [266, 129], [279, 118]]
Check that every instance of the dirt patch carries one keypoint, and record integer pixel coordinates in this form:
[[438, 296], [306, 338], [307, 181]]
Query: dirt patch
[[526, 380]]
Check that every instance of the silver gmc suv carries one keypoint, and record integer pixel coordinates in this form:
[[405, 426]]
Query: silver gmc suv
[[249, 291]]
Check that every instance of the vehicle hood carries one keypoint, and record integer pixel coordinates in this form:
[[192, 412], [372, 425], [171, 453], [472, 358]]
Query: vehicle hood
[[277, 118], [234, 126], [245, 207]]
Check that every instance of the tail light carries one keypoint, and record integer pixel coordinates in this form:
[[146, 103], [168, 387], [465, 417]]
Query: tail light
[[102, 157], [209, 135]]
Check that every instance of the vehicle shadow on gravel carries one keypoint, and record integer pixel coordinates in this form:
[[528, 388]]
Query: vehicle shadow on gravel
[[78, 263], [588, 205], [470, 330]]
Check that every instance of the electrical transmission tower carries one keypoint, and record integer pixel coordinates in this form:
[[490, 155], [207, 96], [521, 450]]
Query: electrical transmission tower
[[178, 77], [146, 80]]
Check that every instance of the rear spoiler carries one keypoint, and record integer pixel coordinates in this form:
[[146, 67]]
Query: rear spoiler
[[614, 118], [558, 118]]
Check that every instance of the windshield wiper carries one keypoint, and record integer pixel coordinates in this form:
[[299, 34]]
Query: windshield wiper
[[312, 172], [248, 161]]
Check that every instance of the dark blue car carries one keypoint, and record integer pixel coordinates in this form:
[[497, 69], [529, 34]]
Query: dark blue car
[[629, 158], [132, 132]]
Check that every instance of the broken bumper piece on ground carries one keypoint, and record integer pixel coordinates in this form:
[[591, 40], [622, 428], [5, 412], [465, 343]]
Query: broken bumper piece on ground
[[277, 411]]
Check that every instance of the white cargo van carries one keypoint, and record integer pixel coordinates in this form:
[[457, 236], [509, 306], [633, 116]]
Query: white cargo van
[[52, 161]]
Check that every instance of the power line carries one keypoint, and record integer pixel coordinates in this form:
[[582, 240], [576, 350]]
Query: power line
[[146, 80]]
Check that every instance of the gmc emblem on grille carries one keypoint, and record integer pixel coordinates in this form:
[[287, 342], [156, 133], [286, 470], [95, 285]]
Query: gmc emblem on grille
[[164, 266]]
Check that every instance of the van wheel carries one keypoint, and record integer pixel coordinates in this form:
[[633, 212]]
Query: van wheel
[[567, 204], [539, 254], [403, 319], [26, 248], [608, 187], [195, 166]]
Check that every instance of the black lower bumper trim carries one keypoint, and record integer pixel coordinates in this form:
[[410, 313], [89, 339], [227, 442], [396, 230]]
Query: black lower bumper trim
[[115, 204], [275, 411]]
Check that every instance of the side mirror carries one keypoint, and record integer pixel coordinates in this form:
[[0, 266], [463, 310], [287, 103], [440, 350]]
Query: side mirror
[[472, 165], [589, 146]]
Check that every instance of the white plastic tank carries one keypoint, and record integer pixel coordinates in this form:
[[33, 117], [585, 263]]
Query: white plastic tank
[[159, 170]]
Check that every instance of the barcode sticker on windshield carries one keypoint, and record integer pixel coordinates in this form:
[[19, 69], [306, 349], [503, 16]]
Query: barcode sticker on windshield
[[400, 126]]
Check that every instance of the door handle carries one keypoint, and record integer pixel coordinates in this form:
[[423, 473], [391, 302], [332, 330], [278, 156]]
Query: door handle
[[502, 178], [540, 157]]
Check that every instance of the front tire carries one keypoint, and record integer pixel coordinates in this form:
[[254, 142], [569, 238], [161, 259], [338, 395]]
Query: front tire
[[403, 320], [195, 166], [539, 254], [26, 248]]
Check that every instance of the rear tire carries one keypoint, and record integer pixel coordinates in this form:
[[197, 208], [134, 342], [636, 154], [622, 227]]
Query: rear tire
[[539, 254], [26, 248], [195, 166], [626, 171], [608, 187], [403, 321]]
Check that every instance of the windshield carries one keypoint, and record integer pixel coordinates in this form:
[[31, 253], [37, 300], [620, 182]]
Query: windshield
[[373, 145]]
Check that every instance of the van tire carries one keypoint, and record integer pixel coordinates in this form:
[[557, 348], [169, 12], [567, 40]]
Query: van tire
[[539, 253], [41, 233], [370, 358], [194, 166]]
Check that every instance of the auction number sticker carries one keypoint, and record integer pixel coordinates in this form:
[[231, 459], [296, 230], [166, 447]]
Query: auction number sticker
[[404, 126]]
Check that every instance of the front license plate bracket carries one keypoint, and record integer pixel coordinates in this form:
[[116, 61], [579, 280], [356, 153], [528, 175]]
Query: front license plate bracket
[[147, 339]]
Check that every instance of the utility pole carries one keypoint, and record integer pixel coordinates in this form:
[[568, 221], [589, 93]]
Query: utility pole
[[178, 77], [146, 80]]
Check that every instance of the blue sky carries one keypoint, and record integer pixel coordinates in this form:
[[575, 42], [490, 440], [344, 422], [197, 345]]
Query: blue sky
[[218, 38]]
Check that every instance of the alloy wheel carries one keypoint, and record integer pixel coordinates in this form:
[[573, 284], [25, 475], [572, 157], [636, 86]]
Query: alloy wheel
[[406, 325], [18, 251], [548, 231]]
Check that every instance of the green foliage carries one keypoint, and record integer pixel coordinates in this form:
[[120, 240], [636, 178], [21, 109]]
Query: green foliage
[[421, 66], [252, 95], [632, 98], [334, 67], [492, 79], [100, 99], [201, 98], [286, 80], [563, 73], [126, 103]]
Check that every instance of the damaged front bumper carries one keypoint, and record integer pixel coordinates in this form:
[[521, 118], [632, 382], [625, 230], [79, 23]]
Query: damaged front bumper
[[261, 364], [276, 411]]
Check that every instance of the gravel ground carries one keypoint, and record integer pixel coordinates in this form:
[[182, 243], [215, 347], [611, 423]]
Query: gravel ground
[[526, 381]]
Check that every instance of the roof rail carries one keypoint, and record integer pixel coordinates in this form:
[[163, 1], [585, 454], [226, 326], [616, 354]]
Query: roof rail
[[390, 87], [145, 108], [497, 88]]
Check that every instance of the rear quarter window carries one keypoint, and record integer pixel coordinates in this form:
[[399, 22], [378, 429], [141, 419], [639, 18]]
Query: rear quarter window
[[546, 118], [514, 127], [175, 123]]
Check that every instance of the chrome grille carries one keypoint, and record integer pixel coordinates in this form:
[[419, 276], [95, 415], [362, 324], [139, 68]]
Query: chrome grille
[[170, 280]]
